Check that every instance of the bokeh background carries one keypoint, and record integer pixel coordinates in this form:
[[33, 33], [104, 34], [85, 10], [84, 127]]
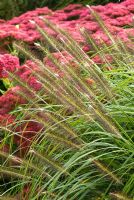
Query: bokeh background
[[11, 8]]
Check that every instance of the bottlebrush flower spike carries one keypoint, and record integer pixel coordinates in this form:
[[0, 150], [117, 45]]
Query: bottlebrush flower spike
[[32, 22], [37, 44]]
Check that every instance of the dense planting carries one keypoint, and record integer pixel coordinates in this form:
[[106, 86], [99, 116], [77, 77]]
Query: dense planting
[[66, 111], [21, 6], [117, 17]]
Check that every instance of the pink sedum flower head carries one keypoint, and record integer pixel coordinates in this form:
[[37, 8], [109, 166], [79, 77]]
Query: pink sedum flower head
[[10, 99], [115, 14], [8, 63], [25, 73], [27, 132], [6, 119]]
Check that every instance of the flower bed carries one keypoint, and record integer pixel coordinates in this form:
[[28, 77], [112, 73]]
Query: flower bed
[[71, 18]]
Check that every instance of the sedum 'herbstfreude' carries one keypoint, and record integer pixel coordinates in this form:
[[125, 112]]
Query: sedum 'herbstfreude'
[[73, 17]]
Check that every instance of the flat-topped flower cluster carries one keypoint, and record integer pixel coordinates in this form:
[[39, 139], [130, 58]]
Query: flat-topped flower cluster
[[73, 17]]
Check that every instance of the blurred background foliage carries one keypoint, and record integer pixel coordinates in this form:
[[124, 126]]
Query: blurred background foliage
[[11, 8]]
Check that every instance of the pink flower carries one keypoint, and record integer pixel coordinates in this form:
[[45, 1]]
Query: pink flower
[[116, 12], [86, 48], [10, 99], [97, 59], [5, 148], [69, 18], [26, 134], [99, 8], [71, 7], [8, 63], [130, 8], [34, 83], [125, 20], [91, 26], [2, 21], [100, 37], [6, 119], [128, 2], [63, 58], [27, 73]]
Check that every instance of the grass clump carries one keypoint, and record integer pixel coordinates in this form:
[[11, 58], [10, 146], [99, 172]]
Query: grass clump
[[84, 148]]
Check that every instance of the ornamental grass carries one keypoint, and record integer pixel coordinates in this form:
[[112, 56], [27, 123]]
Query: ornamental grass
[[66, 120]]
